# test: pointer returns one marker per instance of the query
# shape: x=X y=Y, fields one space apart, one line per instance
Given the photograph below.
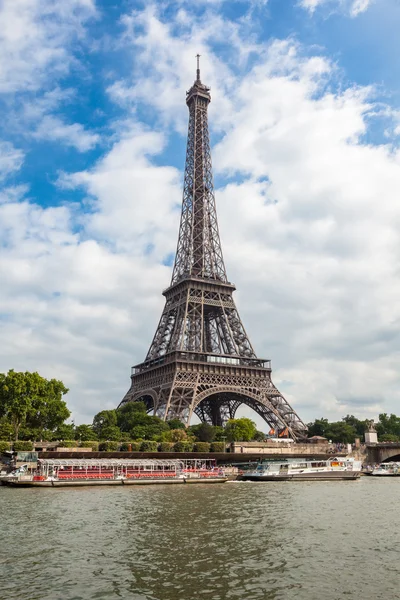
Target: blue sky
x=305 y=125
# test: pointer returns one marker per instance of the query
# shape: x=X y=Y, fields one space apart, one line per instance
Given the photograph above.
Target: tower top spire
x=198 y=68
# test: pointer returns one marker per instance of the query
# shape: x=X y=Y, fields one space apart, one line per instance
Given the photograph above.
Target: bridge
x=383 y=452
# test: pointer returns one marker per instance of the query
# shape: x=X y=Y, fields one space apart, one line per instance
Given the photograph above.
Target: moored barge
x=124 y=471
x=310 y=470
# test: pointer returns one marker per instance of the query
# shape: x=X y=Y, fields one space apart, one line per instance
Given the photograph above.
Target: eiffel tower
x=201 y=360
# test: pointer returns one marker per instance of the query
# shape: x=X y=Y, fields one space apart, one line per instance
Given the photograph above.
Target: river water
x=240 y=540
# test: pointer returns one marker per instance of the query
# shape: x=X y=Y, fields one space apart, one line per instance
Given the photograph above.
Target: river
x=244 y=541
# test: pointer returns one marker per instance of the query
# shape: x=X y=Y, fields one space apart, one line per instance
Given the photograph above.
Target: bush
x=135 y=446
x=109 y=446
x=202 y=447
x=126 y=447
x=183 y=447
x=90 y=444
x=218 y=447
x=68 y=444
x=148 y=446
x=166 y=447
x=23 y=446
x=4 y=446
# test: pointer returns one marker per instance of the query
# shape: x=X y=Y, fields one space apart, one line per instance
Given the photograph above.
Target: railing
x=205 y=358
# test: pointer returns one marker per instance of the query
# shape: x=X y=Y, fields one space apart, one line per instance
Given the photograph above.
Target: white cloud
x=34 y=40
x=11 y=159
x=75 y=135
x=351 y=7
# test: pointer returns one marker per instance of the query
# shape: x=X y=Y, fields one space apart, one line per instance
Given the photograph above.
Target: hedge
x=148 y=446
x=67 y=444
x=202 y=447
x=90 y=444
x=218 y=447
x=183 y=447
x=109 y=446
x=166 y=447
x=4 y=446
x=23 y=446
x=135 y=446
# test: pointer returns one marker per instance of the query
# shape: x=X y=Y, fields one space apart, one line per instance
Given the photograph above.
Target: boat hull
x=320 y=476
x=108 y=482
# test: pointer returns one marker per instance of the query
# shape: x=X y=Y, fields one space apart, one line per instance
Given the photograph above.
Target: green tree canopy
x=176 y=424
x=127 y=415
x=104 y=419
x=29 y=399
x=204 y=432
x=85 y=433
x=240 y=430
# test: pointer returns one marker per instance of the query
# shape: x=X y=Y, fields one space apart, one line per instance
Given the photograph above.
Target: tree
x=359 y=426
x=204 y=432
x=148 y=427
x=176 y=424
x=28 y=398
x=110 y=432
x=104 y=419
x=388 y=424
x=341 y=432
x=85 y=433
x=259 y=436
x=318 y=427
x=66 y=431
x=127 y=415
x=240 y=430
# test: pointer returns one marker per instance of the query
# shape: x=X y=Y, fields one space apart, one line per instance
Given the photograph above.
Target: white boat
x=118 y=471
x=305 y=470
x=390 y=469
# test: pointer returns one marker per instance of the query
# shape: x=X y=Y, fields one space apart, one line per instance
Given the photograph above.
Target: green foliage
x=148 y=446
x=104 y=420
x=259 y=436
x=148 y=427
x=112 y=433
x=344 y=431
x=4 y=446
x=127 y=415
x=22 y=446
x=110 y=446
x=204 y=432
x=388 y=425
x=217 y=447
x=180 y=447
x=135 y=446
x=6 y=429
x=29 y=399
x=176 y=424
x=240 y=430
x=85 y=433
x=202 y=447
x=93 y=444
x=166 y=447
x=389 y=437
x=66 y=431
x=184 y=446
x=68 y=444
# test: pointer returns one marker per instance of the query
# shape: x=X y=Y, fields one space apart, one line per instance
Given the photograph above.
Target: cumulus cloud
x=34 y=40
x=11 y=159
x=75 y=135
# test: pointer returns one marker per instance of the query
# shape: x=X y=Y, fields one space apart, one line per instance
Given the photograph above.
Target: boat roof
x=109 y=462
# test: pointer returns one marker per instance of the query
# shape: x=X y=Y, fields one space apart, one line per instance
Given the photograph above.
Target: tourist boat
x=123 y=471
x=300 y=470
x=389 y=469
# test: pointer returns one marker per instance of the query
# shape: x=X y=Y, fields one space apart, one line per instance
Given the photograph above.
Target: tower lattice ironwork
x=201 y=360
